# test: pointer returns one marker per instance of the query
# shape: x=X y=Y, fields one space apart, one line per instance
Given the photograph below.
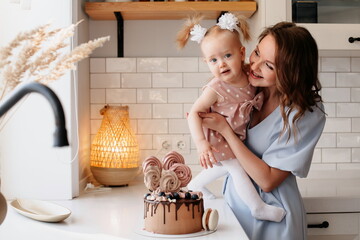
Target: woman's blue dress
x=295 y=156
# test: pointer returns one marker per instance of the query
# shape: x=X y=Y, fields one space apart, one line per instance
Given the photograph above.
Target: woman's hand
x=214 y=121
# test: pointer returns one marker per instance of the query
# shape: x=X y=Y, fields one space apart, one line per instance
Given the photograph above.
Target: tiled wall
x=159 y=92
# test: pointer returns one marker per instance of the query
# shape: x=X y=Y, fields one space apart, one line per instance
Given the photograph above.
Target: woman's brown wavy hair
x=296 y=61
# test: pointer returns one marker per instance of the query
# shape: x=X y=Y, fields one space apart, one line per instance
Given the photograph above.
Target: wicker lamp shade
x=114 y=156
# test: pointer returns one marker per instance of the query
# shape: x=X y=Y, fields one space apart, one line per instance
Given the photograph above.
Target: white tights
x=244 y=187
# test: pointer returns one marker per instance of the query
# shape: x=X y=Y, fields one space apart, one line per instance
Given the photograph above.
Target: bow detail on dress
x=248 y=106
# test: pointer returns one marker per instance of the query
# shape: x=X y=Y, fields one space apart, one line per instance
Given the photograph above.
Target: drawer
x=342 y=226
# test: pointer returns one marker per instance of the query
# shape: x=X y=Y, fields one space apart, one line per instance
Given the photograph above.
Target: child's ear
x=243 y=49
x=243 y=52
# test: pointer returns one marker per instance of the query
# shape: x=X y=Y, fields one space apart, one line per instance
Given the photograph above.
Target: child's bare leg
x=246 y=190
x=205 y=177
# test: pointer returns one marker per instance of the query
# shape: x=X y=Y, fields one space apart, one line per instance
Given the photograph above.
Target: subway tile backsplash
x=160 y=91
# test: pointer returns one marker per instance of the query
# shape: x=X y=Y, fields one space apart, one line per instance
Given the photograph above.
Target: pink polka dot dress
x=236 y=104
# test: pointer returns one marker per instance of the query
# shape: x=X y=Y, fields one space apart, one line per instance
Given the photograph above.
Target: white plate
x=40 y=210
x=189 y=235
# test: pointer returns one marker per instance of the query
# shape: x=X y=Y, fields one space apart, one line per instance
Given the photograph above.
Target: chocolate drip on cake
x=155 y=206
x=151 y=206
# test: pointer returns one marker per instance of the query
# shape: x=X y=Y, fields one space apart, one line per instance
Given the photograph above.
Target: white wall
x=175 y=78
x=30 y=166
x=159 y=91
x=151 y=38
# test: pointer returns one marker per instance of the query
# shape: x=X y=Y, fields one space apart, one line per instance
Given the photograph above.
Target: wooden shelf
x=166 y=10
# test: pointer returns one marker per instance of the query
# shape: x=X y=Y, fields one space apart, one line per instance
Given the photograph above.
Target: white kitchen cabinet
x=337 y=21
x=342 y=226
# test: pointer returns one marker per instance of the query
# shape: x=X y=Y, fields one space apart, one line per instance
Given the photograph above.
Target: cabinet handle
x=353 y=39
x=324 y=224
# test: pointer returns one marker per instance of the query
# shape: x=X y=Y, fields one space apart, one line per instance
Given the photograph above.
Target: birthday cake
x=169 y=208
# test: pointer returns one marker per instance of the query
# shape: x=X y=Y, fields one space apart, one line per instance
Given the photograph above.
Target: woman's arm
x=266 y=177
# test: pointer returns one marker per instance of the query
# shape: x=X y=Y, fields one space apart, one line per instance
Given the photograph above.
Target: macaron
x=210 y=219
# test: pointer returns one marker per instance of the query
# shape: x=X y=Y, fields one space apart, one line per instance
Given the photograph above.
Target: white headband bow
x=226 y=21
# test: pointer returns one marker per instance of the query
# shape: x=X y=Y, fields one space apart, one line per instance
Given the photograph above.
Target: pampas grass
x=38 y=55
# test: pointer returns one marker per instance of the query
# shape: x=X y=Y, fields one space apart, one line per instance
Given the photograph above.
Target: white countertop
x=118 y=214
x=110 y=215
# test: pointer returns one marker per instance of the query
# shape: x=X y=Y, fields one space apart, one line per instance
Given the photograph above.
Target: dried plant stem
x=37 y=55
x=69 y=60
x=50 y=54
x=6 y=52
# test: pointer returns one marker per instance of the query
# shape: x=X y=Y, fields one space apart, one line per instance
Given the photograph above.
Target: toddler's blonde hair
x=184 y=33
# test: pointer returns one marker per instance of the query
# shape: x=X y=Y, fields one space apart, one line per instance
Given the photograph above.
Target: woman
x=282 y=135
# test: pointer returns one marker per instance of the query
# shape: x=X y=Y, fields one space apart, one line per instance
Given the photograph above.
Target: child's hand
x=207 y=157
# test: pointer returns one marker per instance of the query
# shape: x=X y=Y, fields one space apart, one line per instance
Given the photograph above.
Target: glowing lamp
x=114 y=157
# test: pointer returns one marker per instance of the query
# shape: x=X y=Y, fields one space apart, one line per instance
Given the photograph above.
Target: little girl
x=230 y=94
